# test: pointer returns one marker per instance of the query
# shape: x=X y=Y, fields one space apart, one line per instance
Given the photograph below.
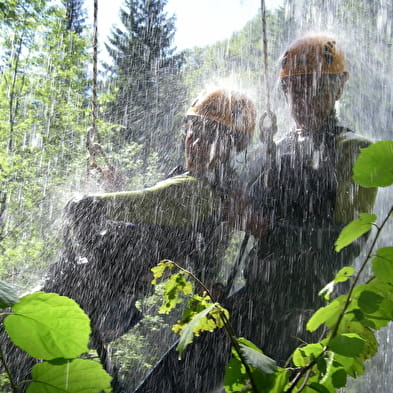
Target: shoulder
x=346 y=137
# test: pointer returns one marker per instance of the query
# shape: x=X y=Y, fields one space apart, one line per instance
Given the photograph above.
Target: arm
x=351 y=199
x=178 y=201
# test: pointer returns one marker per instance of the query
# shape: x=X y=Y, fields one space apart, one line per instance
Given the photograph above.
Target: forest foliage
x=45 y=104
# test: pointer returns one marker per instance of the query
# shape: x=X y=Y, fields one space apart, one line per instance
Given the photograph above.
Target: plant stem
x=357 y=277
x=227 y=326
x=7 y=371
x=306 y=369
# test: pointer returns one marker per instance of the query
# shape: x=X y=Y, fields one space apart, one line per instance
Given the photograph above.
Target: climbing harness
x=110 y=177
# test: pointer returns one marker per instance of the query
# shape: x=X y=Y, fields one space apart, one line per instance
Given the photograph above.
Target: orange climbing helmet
x=313 y=54
x=227 y=107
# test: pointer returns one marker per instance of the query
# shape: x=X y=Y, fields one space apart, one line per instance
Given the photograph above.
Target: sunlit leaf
x=305 y=355
x=254 y=356
x=327 y=290
x=325 y=314
x=76 y=376
x=344 y=274
x=49 y=326
x=374 y=166
x=354 y=230
x=8 y=295
x=383 y=265
x=174 y=287
x=235 y=377
x=347 y=344
x=159 y=270
x=207 y=320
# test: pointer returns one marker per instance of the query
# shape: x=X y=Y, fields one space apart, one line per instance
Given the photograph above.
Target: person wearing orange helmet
x=311 y=198
x=313 y=73
x=112 y=240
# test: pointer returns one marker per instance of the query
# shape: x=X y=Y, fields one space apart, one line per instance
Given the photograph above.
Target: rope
x=266 y=132
x=265 y=58
x=110 y=177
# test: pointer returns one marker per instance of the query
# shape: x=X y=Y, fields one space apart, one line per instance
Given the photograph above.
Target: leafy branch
x=58 y=334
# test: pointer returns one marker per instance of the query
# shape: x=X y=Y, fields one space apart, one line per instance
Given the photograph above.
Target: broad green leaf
x=374 y=166
x=354 y=230
x=200 y=322
x=254 y=356
x=339 y=378
x=347 y=344
x=235 y=378
x=176 y=285
x=369 y=302
x=318 y=387
x=375 y=303
x=383 y=265
x=305 y=355
x=326 y=314
x=280 y=380
x=49 y=326
x=197 y=304
x=75 y=376
x=8 y=295
x=370 y=342
x=344 y=274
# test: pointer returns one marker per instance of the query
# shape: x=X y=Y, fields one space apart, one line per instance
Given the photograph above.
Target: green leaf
x=174 y=287
x=159 y=270
x=8 y=295
x=237 y=380
x=369 y=302
x=374 y=166
x=254 y=356
x=347 y=344
x=235 y=377
x=354 y=230
x=305 y=355
x=49 y=326
x=344 y=274
x=326 y=314
x=318 y=387
x=382 y=265
x=339 y=378
x=198 y=323
x=370 y=342
x=76 y=376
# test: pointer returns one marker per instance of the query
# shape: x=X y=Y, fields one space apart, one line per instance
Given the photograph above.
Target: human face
x=311 y=98
x=206 y=146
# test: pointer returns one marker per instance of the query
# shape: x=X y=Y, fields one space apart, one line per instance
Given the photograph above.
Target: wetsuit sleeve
x=178 y=201
x=351 y=199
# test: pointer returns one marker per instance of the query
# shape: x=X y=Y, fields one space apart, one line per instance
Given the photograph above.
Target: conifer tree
x=76 y=15
x=146 y=73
